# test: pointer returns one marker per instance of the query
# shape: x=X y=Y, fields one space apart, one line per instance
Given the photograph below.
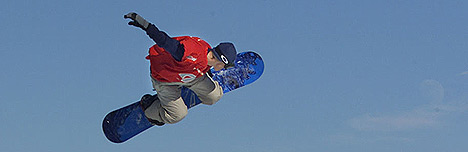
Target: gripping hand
x=137 y=20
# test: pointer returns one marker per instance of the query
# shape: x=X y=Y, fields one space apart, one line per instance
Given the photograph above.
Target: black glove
x=137 y=21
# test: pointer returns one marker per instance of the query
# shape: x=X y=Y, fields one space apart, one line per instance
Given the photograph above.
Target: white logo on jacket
x=187 y=77
x=192 y=58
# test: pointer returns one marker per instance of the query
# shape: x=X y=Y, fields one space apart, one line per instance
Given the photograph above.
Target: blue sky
x=340 y=75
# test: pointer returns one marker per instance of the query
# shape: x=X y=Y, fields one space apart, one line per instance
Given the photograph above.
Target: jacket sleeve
x=163 y=40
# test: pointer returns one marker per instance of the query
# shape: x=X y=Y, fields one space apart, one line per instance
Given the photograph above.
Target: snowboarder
x=181 y=61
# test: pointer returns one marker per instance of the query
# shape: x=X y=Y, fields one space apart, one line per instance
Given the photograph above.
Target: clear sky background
x=357 y=76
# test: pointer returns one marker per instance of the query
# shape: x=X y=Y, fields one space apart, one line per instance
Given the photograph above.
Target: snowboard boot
x=145 y=102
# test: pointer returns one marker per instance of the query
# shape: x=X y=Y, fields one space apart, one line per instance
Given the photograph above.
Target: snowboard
x=122 y=124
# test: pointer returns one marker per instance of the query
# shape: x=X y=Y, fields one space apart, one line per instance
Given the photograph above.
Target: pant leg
x=170 y=108
x=208 y=90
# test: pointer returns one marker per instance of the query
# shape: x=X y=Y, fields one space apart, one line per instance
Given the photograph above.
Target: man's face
x=214 y=62
x=218 y=65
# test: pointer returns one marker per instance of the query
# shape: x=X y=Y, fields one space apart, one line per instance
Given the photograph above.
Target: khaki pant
x=170 y=107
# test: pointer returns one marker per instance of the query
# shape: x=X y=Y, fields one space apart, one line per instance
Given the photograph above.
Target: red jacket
x=194 y=63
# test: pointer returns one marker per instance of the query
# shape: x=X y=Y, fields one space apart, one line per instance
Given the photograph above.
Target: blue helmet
x=226 y=53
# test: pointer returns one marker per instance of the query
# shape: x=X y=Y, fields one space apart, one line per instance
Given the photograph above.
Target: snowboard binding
x=145 y=102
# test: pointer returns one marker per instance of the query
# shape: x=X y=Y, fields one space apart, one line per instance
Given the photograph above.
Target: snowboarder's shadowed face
x=214 y=62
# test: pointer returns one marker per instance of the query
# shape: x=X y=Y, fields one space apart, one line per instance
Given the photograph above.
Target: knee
x=211 y=101
x=213 y=97
x=174 y=112
x=173 y=118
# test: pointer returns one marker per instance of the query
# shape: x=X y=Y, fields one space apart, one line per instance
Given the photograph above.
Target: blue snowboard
x=126 y=122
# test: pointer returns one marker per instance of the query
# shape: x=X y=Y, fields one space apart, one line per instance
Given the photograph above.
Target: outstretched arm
x=161 y=38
